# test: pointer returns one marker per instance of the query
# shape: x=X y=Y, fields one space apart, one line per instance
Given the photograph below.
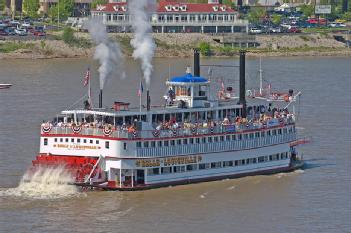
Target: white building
x=176 y=17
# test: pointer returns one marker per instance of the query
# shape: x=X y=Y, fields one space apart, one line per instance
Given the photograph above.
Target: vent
x=215 y=8
x=176 y=8
x=124 y=8
x=223 y=8
x=183 y=8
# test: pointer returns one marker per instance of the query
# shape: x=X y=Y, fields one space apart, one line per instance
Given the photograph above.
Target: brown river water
x=315 y=199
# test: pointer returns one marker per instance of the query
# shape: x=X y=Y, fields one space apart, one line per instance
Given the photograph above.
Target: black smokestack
x=242 y=99
x=148 y=100
x=196 y=63
x=100 y=99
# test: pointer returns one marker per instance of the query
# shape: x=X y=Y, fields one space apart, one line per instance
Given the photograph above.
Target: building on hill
x=176 y=17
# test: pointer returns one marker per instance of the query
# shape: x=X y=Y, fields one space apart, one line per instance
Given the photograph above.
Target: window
x=243 y=162
x=179 y=142
x=227 y=138
x=203 y=140
x=197 y=140
x=91 y=141
x=72 y=139
x=216 y=139
x=274 y=132
x=45 y=141
x=191 y=140
x=240 y=136
x=165 y=143
x=216 y=165
x=257 y=134
x=97 y=142
x=124 y=146
x=246 y=136
x=153 y=171
x=61 y=139
x=66 y=139
x=146 y=144
x=177 y=169
x=228 y=164
x=270 y=158
x=185 y=141
x=263 y=134
x=166 y=170
x=204 y=166
x=209 y=139
x=269 y=133
x=107 y=145
x=55 y=139
x=84 y=141
x=153 y=144
x=159 y=143
x=78 y=140
x=236 y=163
x=233 y=137
x=279 y=131
x=138 y=144
x=191 y=167
x=221 y=138
x=261 y=159
x=251 y=136
x=172 y=142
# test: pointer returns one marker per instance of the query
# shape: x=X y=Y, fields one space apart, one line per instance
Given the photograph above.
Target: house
x=176 y=17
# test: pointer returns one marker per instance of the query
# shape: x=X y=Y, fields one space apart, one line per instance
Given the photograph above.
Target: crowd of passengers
x=258 y=120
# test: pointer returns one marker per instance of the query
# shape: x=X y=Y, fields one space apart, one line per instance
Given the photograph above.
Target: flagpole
x=89 y=92
x=140 y=94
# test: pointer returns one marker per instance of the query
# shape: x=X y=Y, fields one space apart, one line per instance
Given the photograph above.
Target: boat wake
x=44 y=183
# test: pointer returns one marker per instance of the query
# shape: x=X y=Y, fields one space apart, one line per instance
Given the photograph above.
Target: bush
x=205 y=49
x=68 y=36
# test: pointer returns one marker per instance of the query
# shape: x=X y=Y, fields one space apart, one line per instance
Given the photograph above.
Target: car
x=21 y=32
x=336 y=25
x=294 y=30
x=274 y=30
x=3 y=33
x=39 y=33
x=10 y=31
x=255 y=30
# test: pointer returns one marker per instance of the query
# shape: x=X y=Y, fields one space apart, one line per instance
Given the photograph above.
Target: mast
x=260 y=72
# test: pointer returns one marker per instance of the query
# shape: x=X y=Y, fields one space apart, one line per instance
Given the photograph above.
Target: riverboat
x=192 y=138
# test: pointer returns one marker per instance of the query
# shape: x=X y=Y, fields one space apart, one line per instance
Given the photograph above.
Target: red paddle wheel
x=79 y=167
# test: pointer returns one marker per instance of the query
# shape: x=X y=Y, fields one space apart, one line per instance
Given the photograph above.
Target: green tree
x=97 y=2
x=347 y=16
x=276 y=19
x=30 y=8
x=307 y=10
x=256 y=14
x=64 y=8
x=2 y=4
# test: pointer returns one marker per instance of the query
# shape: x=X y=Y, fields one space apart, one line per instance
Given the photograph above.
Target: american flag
x=141 y=89
x=87 y=77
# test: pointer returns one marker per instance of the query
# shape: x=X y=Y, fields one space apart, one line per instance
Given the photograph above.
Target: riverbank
x=178 y=45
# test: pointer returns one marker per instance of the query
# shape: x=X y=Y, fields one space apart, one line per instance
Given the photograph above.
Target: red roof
x=170 y=7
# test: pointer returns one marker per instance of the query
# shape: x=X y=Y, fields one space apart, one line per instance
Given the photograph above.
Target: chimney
x=196 y=63
x=100 y=99
x=242 y=83
x=148 y=100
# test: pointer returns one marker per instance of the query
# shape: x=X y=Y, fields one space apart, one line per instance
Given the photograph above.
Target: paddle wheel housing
x=79 y=167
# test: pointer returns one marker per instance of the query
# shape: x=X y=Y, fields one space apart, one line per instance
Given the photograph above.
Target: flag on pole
x=86 y=78
x=141 y=89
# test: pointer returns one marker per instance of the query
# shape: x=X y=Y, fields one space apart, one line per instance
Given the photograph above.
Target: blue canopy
x=188 y=78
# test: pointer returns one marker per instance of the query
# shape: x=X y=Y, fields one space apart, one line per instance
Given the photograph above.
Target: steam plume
x=107 y=52
x=143 y=43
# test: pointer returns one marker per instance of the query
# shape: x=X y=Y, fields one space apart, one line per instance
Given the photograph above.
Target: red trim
x=164 y=138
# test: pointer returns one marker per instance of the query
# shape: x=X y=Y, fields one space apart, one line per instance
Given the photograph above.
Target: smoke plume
x=107 y=52
x=143 y=43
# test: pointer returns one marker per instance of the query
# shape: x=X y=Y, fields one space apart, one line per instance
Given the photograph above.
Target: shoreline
x=180 y=45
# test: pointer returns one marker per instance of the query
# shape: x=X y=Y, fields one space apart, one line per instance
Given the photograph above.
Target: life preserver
x=174 y=132
x=46 y=128
x=107 y=130
x=193 y=130
x=156 y=133
x=135 y=133
x=76 y=128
